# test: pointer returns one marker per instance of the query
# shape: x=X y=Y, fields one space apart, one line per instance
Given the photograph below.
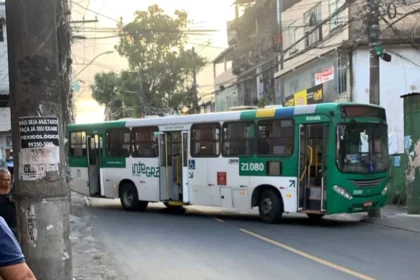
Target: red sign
x=324 y=76
x=221 y=178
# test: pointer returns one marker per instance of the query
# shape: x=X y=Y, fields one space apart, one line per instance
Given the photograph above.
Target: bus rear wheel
x=130 y=198
x=270 y=206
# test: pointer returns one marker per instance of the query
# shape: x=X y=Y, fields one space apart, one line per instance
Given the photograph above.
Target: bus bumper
x=357 y=204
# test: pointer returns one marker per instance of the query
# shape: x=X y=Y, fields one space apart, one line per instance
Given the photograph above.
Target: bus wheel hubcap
x=267 y=205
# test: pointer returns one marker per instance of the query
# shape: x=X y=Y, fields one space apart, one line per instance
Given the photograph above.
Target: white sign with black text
x=39 y=147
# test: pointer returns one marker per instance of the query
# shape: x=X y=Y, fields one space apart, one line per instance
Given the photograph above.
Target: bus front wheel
x=130 y=198
x=270 y=206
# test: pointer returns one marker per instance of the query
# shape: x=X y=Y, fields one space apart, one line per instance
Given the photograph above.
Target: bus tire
x=270 y=206
x=130 y=198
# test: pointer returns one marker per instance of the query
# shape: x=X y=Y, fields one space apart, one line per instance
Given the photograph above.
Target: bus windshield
x=362 y=147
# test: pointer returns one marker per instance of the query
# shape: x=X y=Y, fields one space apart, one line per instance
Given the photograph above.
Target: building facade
x=313 y=58
x=329 y=61
x=5 y=121
x=225 y=82
x=257 y=30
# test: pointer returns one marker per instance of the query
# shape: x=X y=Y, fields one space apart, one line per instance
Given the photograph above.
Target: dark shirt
x=8 y=210
x=10 y=252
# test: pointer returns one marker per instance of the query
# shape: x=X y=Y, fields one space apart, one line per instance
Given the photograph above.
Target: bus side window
x=238 y=139
x=205 y=140
x=78 y=144
x=275 y=137
x=118 y=142
x=145 y=142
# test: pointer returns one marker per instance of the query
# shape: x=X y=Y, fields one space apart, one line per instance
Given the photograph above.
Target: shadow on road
x=189 y=212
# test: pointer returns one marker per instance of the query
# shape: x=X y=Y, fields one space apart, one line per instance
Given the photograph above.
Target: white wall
x=398 y=77
x=4 y=78
x=4 y=63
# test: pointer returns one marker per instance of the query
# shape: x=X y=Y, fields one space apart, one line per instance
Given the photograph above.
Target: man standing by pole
x=42 y=195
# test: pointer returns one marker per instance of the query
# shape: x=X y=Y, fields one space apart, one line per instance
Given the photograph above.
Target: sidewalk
x=90 y=260
x=396 y=217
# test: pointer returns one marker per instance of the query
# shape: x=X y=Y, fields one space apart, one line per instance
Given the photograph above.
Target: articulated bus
x=317 y=159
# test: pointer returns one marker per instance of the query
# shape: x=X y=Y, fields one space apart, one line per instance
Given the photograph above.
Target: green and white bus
x=316 y=159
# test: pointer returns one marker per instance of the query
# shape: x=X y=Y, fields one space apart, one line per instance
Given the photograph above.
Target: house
x=256 y=34
x=225 y=82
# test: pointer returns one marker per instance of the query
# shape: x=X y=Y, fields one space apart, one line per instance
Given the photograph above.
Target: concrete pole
x=374 y=77
x=42 y=194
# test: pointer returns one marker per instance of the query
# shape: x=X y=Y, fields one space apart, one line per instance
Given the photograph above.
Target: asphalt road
x=204 y=243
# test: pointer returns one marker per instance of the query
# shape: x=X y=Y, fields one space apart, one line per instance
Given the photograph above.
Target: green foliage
x=105 y=91
x=154 y=44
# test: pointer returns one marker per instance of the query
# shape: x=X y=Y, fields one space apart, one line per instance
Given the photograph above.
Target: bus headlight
x=342 y=192
x=385 y=190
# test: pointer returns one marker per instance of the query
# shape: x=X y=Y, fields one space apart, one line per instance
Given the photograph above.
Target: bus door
x=312 y=172
x=173 y=165
x=94 y=163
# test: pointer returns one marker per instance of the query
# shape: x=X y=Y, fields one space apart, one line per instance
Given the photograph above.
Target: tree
x=154 y=44
x=105 y=91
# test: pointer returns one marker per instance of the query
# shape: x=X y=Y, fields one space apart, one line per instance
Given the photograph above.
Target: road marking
x=219 y=220
x=308 y=256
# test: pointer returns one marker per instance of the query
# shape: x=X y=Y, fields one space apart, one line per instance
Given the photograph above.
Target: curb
x=369 y=221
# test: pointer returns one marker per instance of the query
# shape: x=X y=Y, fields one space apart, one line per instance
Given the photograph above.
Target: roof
x=410 y=94
x=222 y=54
x=282 y=112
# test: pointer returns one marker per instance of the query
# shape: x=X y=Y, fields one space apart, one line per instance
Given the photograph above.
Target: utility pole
x=374 y=31
x=194 y=86
x=42 y=195
x=280 y=49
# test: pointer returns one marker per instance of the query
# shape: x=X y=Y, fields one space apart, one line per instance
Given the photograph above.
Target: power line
x=96 y=13
x=235 y=81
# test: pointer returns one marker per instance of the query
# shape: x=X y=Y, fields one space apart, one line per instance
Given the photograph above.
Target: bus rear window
x=359 y=111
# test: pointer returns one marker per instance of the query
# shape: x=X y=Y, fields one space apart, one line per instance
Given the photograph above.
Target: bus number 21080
x=251 y=166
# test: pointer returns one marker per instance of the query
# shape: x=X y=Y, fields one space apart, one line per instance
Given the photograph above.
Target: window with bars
x=342 y=67
x=335 y=21
x=292 y=30
x=311 y=19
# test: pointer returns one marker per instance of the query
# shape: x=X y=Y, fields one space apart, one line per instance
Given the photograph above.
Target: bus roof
x=281 y=112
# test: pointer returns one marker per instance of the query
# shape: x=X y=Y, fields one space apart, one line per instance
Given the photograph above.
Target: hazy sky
x=205 y=14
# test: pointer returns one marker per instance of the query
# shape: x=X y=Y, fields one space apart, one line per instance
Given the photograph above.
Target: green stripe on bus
x=95 y=126
x=248 y=115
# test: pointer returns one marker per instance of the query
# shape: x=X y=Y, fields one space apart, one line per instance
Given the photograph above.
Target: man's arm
x=17 y=272
x=12 y=261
